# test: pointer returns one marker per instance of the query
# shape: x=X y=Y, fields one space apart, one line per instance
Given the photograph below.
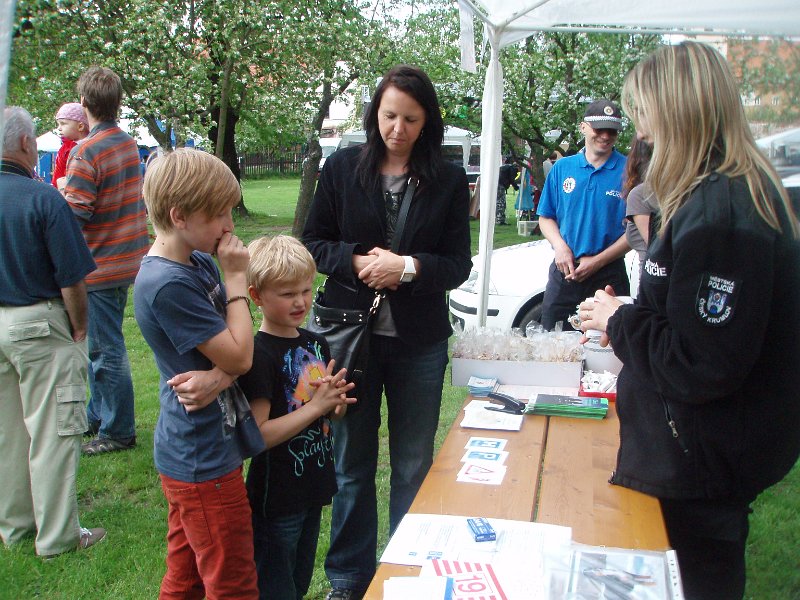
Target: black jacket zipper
x=671 y=423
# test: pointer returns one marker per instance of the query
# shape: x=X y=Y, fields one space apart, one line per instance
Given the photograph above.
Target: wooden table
x=558 y=470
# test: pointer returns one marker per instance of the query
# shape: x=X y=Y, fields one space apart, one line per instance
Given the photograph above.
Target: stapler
x=509 y=404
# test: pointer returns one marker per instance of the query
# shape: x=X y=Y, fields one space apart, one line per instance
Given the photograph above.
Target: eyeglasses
x=602 y=130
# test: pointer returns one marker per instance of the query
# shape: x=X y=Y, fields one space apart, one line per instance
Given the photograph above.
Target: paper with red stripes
x=471 y=580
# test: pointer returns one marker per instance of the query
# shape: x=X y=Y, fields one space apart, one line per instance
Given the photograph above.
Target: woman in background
x=638 y=196
x=707 y=394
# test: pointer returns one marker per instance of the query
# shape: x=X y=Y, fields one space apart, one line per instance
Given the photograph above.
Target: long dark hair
x=636 y=165
x=426 y=155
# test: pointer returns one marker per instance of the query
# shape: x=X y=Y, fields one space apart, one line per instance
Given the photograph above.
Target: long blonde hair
x=687 y=99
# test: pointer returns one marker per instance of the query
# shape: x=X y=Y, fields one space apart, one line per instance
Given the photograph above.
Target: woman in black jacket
x=349 y=229
x=707 y=399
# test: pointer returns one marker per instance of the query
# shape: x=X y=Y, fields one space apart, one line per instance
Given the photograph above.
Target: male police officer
x=581 y=214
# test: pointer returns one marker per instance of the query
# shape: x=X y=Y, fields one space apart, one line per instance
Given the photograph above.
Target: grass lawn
x=121 y=492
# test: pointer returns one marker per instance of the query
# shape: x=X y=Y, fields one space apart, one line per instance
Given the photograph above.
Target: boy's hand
x=198 y=389
x=232 y=255
x=330 y=391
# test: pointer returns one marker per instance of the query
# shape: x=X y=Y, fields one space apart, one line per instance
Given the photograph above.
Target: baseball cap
x=73 y=111
x=603 y=114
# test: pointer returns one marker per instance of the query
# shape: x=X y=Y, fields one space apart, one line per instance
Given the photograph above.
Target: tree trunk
x=308 y=182
x=162 y=137
x=224 y=104
x=313 y=152
x=229 y=154
x=311 y=158
x=180 y=133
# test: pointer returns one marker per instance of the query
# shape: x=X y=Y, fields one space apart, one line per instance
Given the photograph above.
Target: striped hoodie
x=104 y=190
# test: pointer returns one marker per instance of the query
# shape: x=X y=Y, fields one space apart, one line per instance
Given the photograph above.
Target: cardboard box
x=611 y=396
x=562 y=374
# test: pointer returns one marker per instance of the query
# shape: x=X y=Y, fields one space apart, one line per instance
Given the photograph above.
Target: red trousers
x=210 y=540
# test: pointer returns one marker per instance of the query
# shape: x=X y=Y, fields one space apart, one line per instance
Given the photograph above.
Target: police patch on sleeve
x=716 y=299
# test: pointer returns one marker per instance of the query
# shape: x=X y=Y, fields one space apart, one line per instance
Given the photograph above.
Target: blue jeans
x=412 y=379
x=110 y=385
x=285 y=548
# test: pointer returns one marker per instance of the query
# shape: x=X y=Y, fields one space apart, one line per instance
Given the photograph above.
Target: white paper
x=477 y=417
x=484 y=473
x=420 y=537
x=424 y=587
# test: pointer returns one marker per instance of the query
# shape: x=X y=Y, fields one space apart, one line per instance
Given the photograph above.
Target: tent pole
x=490 y=167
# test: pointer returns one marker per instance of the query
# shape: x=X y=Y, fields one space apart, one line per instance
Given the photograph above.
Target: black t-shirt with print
x=297 y=474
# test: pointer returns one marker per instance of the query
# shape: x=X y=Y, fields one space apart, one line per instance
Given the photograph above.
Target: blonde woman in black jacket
x=707 y=397
x=349 y=231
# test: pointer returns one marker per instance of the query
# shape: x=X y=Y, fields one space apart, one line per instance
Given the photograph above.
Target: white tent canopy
x=48 y=142
x=509 y=21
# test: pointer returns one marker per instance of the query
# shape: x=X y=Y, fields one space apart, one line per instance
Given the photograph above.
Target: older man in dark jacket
x=43 y=358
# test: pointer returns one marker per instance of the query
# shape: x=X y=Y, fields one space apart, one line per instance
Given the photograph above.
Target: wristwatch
x=409 y=271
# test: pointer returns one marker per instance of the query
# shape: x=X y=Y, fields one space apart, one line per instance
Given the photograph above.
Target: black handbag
x=347 y=330
x=245 y=429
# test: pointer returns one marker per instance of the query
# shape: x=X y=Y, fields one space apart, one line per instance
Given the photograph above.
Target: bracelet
x=235 y=298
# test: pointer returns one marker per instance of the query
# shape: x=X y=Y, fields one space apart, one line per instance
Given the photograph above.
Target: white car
x=516 y=288
x=519 y=275
x=329 y=146
x=792 y=185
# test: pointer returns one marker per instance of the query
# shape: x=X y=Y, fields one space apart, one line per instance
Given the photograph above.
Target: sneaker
x=100 y=445
x=89 y=537
x=344 y=594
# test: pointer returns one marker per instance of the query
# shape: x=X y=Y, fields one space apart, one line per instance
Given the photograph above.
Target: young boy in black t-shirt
x=292 y=393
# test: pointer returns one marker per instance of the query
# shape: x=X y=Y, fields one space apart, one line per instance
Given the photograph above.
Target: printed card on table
x=471 y=580
x=485 y=443
x=484 y=455
x=485 y=473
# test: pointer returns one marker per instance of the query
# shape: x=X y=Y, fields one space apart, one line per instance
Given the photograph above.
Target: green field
x=121 y=492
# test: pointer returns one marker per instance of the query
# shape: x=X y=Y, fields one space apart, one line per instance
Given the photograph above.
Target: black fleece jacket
x=708 y=398
x=346 y=219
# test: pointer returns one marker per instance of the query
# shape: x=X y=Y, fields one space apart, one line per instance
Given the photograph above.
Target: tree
x=56 y=41
x=769 y=70
x=185 y=66
x=343 y=42
x=550 y=77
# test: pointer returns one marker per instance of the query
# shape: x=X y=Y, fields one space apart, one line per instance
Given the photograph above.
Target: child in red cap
x=73 y=126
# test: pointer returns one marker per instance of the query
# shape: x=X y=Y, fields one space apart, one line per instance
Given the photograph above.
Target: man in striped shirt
x=104 y=190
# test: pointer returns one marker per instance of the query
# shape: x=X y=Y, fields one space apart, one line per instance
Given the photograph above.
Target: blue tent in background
x=48 y=145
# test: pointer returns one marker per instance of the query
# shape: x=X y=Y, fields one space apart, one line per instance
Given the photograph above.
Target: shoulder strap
x=403 y=215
